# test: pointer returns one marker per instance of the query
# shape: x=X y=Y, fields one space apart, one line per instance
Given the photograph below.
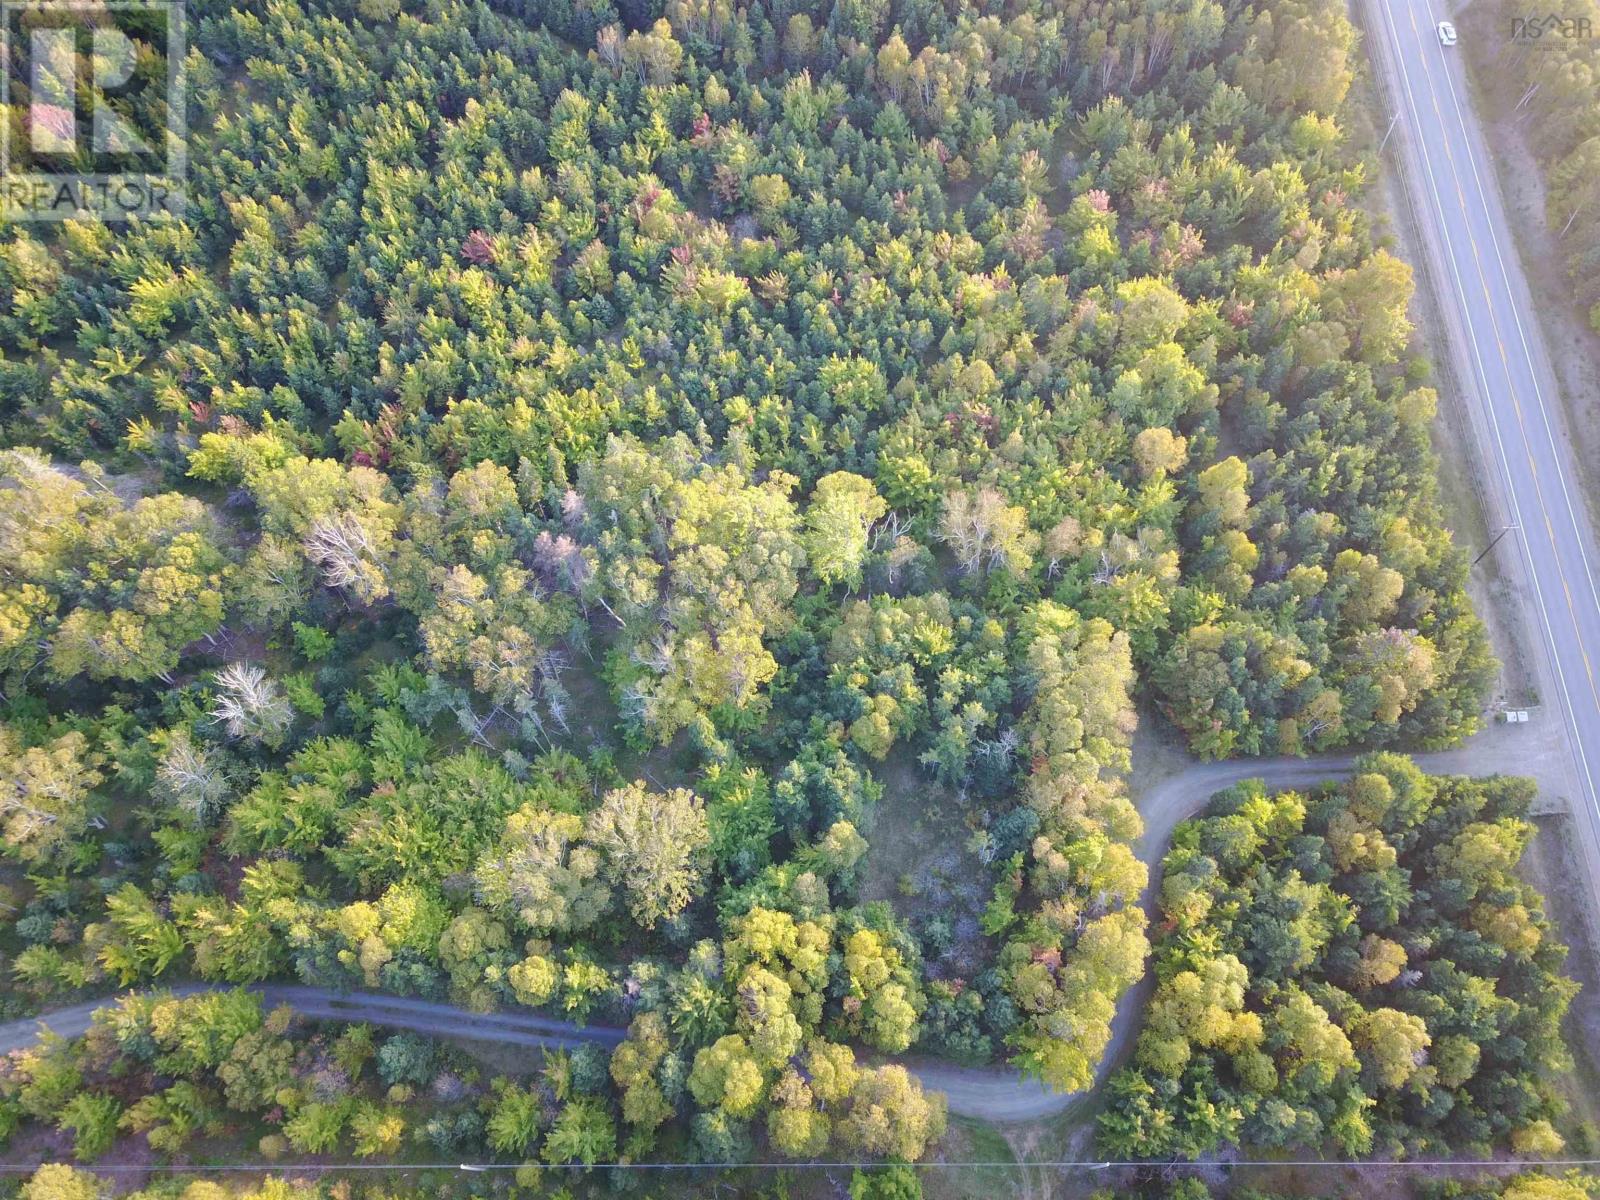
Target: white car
x=1447 y=34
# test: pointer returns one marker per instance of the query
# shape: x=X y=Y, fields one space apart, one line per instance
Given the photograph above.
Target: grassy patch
x=973 y=1141
x=919 y=862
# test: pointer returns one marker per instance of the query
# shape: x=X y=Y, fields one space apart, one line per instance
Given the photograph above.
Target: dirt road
x=992 y=1094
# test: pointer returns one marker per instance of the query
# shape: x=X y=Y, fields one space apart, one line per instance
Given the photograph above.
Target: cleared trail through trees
x=989 y=1093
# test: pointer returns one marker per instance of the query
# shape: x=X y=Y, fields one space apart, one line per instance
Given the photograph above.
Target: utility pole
x=1387 y=132
x=1492 y=543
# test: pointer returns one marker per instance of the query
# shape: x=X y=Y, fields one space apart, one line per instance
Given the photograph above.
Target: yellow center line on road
x=1431 y=189
x=1497 y=219
x=1533 y=470
x=1511 y=391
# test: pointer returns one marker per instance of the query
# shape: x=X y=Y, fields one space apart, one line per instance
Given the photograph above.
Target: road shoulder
x=1556 y=861
x=1574 y=346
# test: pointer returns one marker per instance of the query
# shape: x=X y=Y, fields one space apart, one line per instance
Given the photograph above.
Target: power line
x=1383 y=1164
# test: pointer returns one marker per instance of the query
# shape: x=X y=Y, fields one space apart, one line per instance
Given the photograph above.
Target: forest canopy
x=577 y=471
x=1081 y=299
x=1356 y=968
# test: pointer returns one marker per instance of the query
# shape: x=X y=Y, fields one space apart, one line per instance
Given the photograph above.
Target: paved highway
x=1457 y=202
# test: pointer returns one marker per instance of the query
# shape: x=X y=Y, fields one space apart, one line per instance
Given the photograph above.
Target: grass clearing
x=919 y=861
x=973 y=1141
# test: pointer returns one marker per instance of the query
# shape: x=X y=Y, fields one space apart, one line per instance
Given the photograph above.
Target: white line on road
x=1575 y=740
x=1516 y=319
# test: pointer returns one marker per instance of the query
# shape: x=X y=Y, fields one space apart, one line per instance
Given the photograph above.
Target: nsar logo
x=1553 y=25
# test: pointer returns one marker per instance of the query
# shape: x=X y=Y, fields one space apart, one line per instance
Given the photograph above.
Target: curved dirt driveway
x=991 y=1094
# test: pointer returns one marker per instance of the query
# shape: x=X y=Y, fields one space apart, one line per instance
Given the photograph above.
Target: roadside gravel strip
x=991 y=1094
x=1505 y=383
